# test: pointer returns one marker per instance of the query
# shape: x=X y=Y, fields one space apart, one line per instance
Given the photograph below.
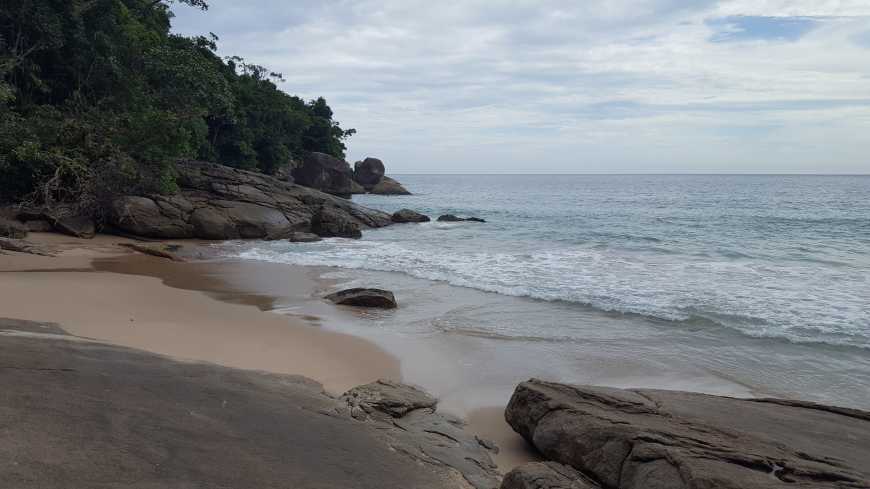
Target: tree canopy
x=99 y=97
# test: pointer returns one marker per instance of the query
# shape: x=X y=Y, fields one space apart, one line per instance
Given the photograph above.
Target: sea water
x=754 y=285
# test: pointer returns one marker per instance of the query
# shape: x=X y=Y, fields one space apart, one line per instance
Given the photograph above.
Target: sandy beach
x=206 y=311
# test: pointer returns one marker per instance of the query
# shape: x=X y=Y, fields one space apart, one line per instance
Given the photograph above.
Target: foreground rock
x=12 y=229
x=377 y=298
x=411 y=425
x=452 y=218
x=218 y=202
x=546 y=475
x=407 y=215
x=647 y=439
x=22 y=246
x=388 y=186
x=325 y=173
x=79 y=414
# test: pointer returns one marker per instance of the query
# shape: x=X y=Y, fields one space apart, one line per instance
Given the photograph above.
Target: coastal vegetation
x=99 y=98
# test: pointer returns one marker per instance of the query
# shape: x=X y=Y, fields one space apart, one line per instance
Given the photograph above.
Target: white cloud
x=530 y=85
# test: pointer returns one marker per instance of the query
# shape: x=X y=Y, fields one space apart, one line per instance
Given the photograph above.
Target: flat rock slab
x=649 y=439
x=360 y=297
x=84 y=414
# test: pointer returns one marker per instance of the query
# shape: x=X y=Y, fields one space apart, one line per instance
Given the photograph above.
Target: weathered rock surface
x=388 y=186
x=650 y=439
x=407 y=215
x=78 y=226
x=158 y=250
x=39 y=226
x=453 y=218
x=12 y=229
x=409 y=423
x=368 y=172
x=300 y=237
x=329 y=222
x=546 y=475
x=80 y=414
x=325 y=173
x=218 y=202
x=361 y=297
x=22 y=246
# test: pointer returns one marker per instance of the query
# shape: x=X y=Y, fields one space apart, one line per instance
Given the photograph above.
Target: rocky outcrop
x=300 y=237
x=407 y=215
x=546 y=475
x=219 y=202
x=408 y=422
x=368 y=172
x=80 y=414
x=12 y=229
x=388 y=186
x=452 y=218
x=359 y=297
x=643 y=439
x=325 y=173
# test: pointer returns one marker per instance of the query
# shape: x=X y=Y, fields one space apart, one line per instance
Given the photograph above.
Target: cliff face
x=218 y=202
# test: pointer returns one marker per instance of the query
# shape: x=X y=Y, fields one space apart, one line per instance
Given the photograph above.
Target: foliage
x=98 y=97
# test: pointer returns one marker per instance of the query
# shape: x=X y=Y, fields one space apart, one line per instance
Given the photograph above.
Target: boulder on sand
x=330 y=223
x=360 y=297
x=388 y=186
x=407 y=215
x=12 y=229
x=452 y=218
x=368 y=172
x=325 y=173
x=78 y=226
x=642 y=439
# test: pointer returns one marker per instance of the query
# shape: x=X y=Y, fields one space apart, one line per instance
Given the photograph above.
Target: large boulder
x=10 y=228
x=388 y=186
x=330 y=223
x=407 y=215
x=650 y=439
x=361 y=297
x=325 y=173
x=368 y=172
x=218 y=202
x=546 y=475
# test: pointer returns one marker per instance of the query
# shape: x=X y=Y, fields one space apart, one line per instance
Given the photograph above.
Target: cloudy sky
x=573 y=86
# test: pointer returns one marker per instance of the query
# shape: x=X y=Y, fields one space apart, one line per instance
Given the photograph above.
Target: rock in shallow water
x=360 y=297
x=388 y=186
x=407 y=215
x=452 y=218
x=644 y=439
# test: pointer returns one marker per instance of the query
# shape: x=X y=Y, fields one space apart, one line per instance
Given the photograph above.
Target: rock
x=357 y=189
x=299 y=237
x=12 y=229
x=331 y=223
x=368 y=172
x=452 y=218
x=325 y=173
x=408 y=421
x=640 y=439
x=158 y=250
x=407 y=215
x=22 y=246
x=78 y=226
x=382 y=299
x=388 y=186
x=39 y=226
x=546 y=475
x=218 y=202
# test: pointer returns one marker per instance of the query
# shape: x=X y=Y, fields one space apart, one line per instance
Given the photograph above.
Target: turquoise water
x=762 y=280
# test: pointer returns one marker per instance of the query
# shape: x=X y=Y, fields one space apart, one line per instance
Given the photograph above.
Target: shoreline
x=192 y=311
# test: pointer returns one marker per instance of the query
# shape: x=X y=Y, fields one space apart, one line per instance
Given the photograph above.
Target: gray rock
x=452 y=218
x=407 y=215
x=78 y=226
x=22 y=246
x=546 y=475
x=357 y=189
x=648 y=439
x=39 y=226
x=408 y=421
x=80 y=414
x=330 y=222
x=218 y=202
x=388 y=186
x=325 y=173
x=299 y=237
x=368 y=172
x=12 y=229
x=360 y=297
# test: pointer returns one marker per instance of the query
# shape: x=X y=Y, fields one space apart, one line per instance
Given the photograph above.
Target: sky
x=591 y=86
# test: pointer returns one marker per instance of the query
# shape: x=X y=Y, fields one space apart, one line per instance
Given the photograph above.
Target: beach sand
x=213 y=311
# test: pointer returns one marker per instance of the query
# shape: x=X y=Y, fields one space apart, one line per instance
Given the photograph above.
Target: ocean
x=740 y=285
